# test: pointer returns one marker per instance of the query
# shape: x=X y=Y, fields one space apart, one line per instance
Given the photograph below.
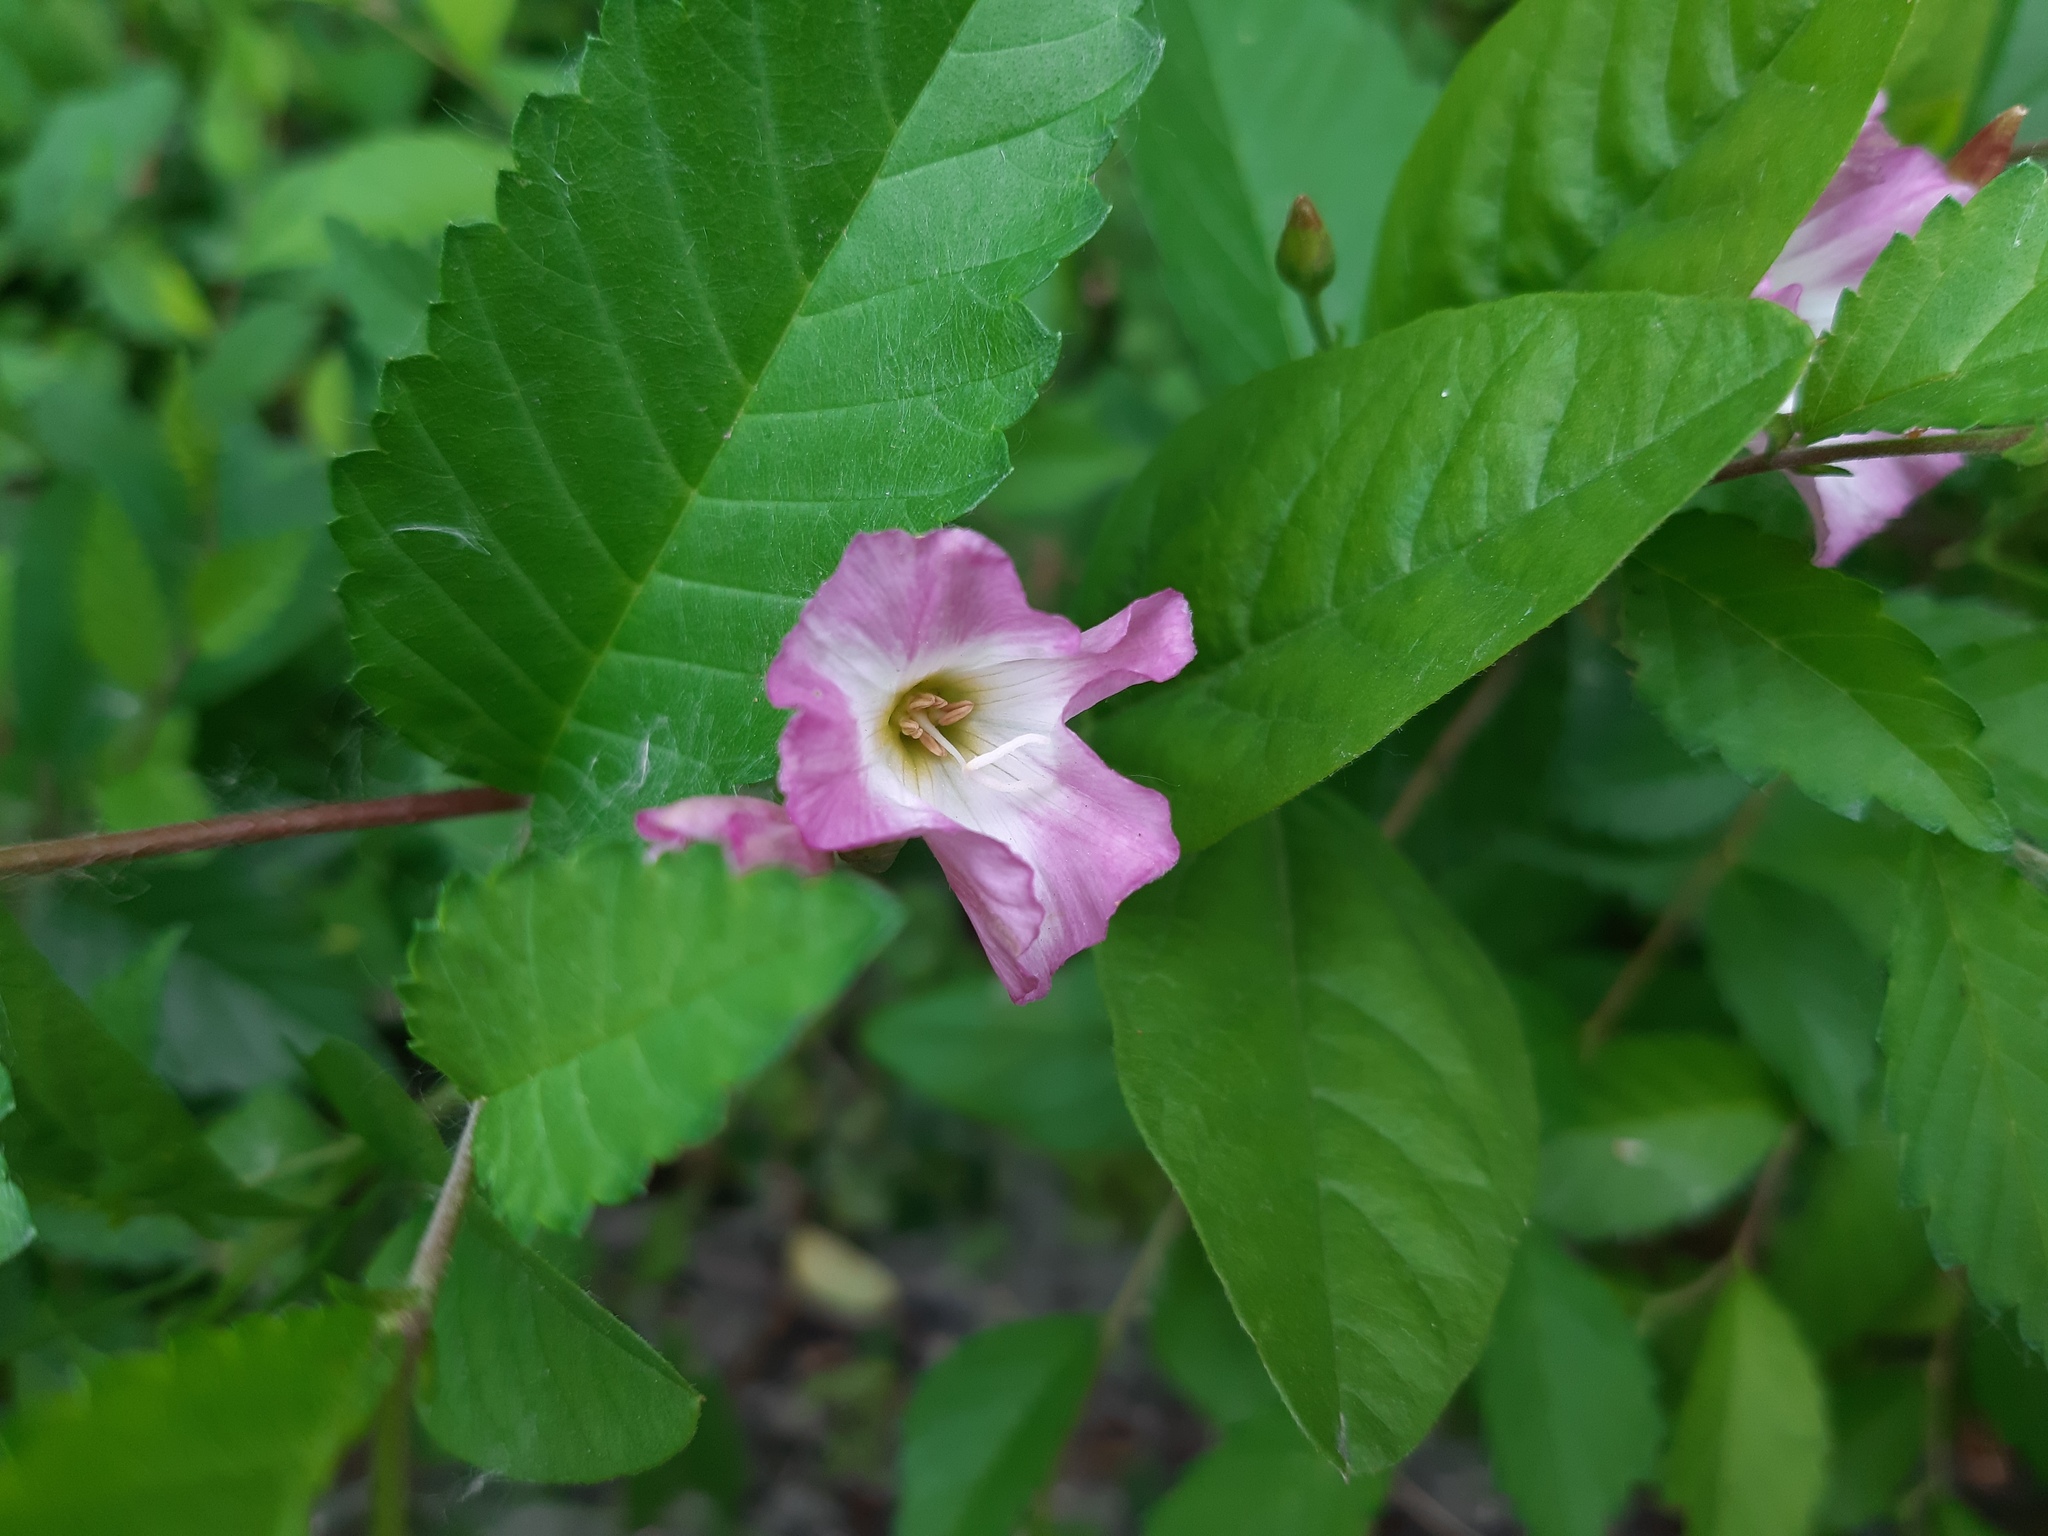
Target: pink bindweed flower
x=931 y=701
x=1884 y=189
x=752 y=832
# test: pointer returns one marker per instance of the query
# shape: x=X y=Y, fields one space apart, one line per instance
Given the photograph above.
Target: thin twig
x=1136 y=1290
x=252 y=827
x=1409 y=1497
x=1755 y=1230
x=437 y=1243
x=1678 y=914
x=1795 y=460
x=1451 y=742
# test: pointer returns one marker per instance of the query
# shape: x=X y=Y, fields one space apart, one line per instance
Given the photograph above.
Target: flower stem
x=1318 y=323
x=1136 y=1290
x=252 y=827
x=1794 y=460
x=1436 y=765
x=1678 y=914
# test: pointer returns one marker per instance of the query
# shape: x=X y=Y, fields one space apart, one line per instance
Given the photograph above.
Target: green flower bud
x=1307 y=257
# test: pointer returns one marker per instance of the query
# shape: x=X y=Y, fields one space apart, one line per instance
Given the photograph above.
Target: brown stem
x=1450 y=744
x=252 y=827
x=1988 y=440
x=1755 y=1230
x=1678 y=914
x=1136 y=1290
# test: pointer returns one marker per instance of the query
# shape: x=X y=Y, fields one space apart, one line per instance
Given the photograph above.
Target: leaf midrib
x=572 y=708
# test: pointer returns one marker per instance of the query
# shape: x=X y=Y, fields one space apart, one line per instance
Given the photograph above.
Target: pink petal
x=752 y=832
x=1847 y=509
x=1883 y=189
x=1148 y=642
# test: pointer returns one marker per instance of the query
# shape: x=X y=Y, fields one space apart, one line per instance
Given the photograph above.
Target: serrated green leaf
x=1265 y=1477
x=985 y=1428
x=1326 y=1065
x=2006 y=682
x=1044 y=1070
x=229 y=1432
x=1805 y=991
x=1747 y=648
x=1852 y=1253
x=91 y=1119
x=1616 y=144
x=1950 y=329
x=1749 y=1450
x=1361 y=531
x=730 y=320
x=530 y=1378
x=651 y=990
x=1200 y=1345
x=1568 y=1394
x=1258 y=102
x=371 y=1103
x=1966 y=1078
x=1668 y=1126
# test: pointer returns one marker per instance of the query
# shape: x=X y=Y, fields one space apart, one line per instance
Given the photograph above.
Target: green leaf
x=1258 y=102
x=1805 y=991
x=17 y=1227
x=758 y=288
x=122 y=616
x=129 y=1003
x=1669 y=1126
x=531 y=1378
x=2019 y=72
x=88 y=159
x=1936 y=73
x=228 y=1432
x=1044 y=1070
x=1568 y=1394
x=473 y=28
x=1966 y=1079
x=238 y=591
x=1747 y=648
x=1749 y=1450
x=2006 y=682
x=390 y=186
x=371 y=1103
x=1265 y=1477
x=1950 y=329
x=1361 y=531
x=1879 y=1414
x=1327 y=1067
x=90 y=1118
x=1853 y=1254
x=986 y=1426
x=2009 y=1382
x=1615 y=144
x=1199 y=1344
x=651 y=990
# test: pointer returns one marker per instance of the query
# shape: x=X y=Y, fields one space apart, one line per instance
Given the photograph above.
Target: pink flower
x=931 y=701
x=752 y=832
x=1883 y=189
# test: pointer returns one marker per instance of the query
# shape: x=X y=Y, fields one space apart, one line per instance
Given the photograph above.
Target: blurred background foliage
x=223 y=216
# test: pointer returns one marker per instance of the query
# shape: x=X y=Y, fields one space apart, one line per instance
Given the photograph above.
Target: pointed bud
x=1307 y=257
x=1983 y=160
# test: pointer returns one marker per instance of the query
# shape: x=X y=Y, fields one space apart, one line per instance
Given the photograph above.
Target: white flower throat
x=923 y=717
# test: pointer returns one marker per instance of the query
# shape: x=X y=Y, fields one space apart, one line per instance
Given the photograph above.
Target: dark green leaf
x=1936 y=73
x=652 y=990
x=985 y=1429
x=17 y=1228
x=1265 y=1477
x=723 y=327
x=531 y=1378
x=1950 y=329
x=2009 y=1382
x=1258 y=102
x=1330 y=1071
x=1568 y=1394
x=1749 y=1451
x=1200 y=1345
x=1616 y=143
x=1879 y=1416
x=1853 y=1253
x=371 y=1103
x=87 y=160
x=1806 y=992
x=1748 y=648
x=1361 y=531
x=1669 y=1126
x=2006 y=682
x=1044 y=1070
x=1966 y=1078
x=91 y=1119
x=129 y=1004
x=230 y=1432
